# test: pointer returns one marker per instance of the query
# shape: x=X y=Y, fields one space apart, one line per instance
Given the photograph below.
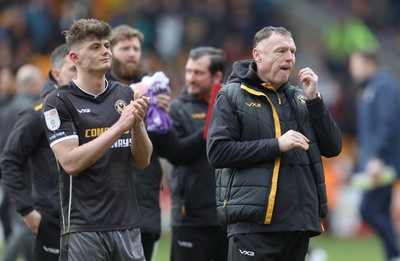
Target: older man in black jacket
x=267 y=137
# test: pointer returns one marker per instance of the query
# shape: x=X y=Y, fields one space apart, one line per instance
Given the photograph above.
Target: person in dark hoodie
x=196 y=234
x=266 y=139
x=28 y=144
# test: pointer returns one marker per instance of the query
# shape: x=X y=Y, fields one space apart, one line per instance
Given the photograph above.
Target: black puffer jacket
x=256 y=183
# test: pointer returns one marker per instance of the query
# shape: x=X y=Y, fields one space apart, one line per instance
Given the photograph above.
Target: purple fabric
x=157 y=119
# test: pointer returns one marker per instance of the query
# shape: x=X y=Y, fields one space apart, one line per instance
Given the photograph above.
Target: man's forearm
x=142 y=147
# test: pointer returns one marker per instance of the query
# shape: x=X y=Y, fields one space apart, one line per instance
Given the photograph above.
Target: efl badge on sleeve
x=52 y=119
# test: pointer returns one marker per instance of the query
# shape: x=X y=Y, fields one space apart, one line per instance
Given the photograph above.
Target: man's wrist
x=138 y=125
x=318 y=97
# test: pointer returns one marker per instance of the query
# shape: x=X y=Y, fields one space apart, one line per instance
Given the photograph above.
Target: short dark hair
x=58 y=56
x=122 y=32
x=368 y=55
x=267 y=31
x=217 y=57
x=84 y=29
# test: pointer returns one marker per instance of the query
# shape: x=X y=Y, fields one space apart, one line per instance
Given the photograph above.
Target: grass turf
x=366 y=248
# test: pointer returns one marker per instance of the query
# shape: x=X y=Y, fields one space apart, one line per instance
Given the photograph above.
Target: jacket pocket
x=244 y=195
x=224 y=179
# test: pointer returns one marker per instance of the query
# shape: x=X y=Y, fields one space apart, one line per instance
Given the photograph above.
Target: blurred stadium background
x=325 y=32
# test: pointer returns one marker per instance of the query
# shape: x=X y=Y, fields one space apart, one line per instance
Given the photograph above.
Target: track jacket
x=260 y=189
x=378 y=109
x=192 y=179
x=28 y=144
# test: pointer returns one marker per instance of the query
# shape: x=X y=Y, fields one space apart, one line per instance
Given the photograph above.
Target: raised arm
x=75 y=158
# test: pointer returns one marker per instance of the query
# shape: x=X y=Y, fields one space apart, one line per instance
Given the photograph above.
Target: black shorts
x=274 y=246
x=199 y=244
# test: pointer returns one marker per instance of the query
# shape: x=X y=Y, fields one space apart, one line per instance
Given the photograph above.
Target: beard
x=131 y=73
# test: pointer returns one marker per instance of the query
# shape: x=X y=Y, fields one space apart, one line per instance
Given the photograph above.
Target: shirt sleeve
x=189 y=144
x=58 y=123
x=386 y=106
x=329 y=137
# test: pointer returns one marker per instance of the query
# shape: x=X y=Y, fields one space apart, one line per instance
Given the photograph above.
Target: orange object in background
x=333 y=181
x=337 y=172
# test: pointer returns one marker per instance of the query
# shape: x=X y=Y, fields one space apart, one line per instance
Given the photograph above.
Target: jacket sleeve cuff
x=317 y=99
x=275 y=150
x=26 y=211
x=316 y=104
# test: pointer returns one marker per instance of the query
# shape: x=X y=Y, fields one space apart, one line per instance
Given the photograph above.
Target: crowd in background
x=31 y=29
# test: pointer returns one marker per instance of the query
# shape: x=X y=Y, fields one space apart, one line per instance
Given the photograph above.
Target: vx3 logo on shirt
x=83 y=110
x=246 y=252
x=253 y=104
x=51 y=250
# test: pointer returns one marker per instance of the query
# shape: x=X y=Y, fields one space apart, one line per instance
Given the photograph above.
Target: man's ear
x=256 y=55
x=74 y=57
x=218 y=77
x=56 y=74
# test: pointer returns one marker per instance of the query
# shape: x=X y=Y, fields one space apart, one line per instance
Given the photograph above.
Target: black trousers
x=276 y=246
x=47 y=245
x=148 y=241
x=199 y=244
x=5 y=218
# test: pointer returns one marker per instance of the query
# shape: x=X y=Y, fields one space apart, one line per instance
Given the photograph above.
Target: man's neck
x=205 y=98
x=91 y=83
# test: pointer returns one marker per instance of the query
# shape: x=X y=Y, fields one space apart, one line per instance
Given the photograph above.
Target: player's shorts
x=107 y=245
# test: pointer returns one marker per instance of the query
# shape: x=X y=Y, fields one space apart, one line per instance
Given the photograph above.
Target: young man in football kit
x=95 y=129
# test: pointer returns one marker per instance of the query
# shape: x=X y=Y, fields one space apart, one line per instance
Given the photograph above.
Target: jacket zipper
x=275 y=174
x=296 y=165
x=228 y=193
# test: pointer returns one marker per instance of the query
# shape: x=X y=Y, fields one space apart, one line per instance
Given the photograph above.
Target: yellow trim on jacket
x=275 y=172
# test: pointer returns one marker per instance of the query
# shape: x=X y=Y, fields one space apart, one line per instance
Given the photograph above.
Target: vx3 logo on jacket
x=253 y=104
